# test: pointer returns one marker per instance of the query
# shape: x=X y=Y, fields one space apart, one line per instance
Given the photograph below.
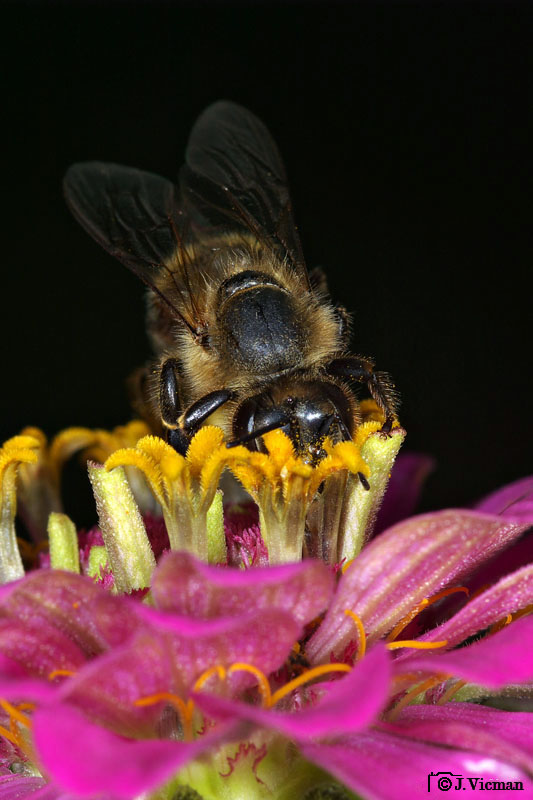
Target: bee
x=245 y=337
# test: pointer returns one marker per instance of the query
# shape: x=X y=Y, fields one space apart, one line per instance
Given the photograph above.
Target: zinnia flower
x=282 y=681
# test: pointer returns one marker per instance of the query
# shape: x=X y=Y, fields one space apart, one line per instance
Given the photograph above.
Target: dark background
x=406 y=134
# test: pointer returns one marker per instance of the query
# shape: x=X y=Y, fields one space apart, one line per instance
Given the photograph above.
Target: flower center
x=269 y=699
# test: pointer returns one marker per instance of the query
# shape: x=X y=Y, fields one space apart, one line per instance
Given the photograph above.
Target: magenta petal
x=383 y=766
x=86 y=759
x=408 y=475
x=55 y=620
x=509 y=595
x=496 y=661
x=107 y=689
x=186 y=586
x=410 y=561
x=507 y=735
x=170 y=659
x=263 y=638
x=27 y=689
x=17 y=787
x=40 y=648
x=348 y=705
x=514 y=502
x=54 y=792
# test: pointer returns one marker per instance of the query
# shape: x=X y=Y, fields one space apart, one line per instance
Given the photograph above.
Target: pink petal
x=349 y=704
x=54 y=792
x=171 y=660
x=509 y=560
x=62 y=610
x=107 y=689
x=506 y=735
x=86 y=759
x=509 y=595
x=513 y=502
x=496 y=661
x=414 y=559
x=38 y=648
x=263 y=638
x=408 y=475
x=26 y=689
x=383 y=766
x=184 y=585
x=17 y=787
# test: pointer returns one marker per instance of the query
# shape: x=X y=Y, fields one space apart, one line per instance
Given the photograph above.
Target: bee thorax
x=260 y=329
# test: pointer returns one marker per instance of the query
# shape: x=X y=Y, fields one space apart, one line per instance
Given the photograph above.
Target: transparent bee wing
x=136 y=217
x=234 y=180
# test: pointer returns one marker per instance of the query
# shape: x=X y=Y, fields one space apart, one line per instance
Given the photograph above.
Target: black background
x=407 y=140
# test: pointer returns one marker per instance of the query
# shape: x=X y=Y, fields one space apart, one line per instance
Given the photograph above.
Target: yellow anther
x=160 y=697
x=13 y=738
x=56 y=673
x=208 y=440
x=15 y=713
x=502 y=623
x=305 y=677
x=427 y=601
x=218 y=669
x=416 y=645
x=449 y=693
x=405 y=676
x=429 y=683
x=262 y=680
x=446 y=592
x=9 y=457
x=185 y=710
x=361 y=631
x=523 y=612
x=279 y=446
x=404 y=622
x=131 y=457
x=347 y=565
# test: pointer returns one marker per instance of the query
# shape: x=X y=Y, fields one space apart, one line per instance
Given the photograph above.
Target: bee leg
x=170 y=405
x=276 y=418
x=170 y=401
x=188 y=423
x=379 y=384
x=181 y=427
x=197 y=413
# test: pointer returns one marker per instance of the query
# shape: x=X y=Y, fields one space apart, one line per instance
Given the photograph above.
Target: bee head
x=307 y=411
